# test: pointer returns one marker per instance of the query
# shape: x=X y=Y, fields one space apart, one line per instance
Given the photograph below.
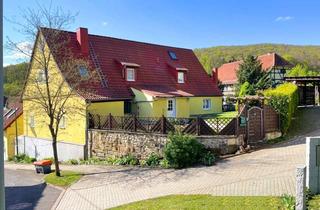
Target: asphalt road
x=26 y=190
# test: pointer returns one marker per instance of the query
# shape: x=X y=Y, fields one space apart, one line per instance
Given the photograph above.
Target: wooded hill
x=216 y=56
x=14 y=77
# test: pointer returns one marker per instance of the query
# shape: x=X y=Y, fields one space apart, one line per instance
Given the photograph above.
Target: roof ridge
x=121 y=39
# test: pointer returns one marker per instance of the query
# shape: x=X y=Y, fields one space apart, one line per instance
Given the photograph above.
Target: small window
x=41 y=76
x=206 y=104
x=63 y=122
x=127 y=107
x=31 y=121
x=173 y=55
x=130 y=74
x=170 y=105
x=83 y=71
x=180 y=77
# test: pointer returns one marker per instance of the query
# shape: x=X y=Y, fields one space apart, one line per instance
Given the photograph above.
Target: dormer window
x=130 y=74
x=180 y=77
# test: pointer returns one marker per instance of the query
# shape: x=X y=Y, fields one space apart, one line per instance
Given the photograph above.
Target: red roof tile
x=153 y=71
x=227 y=72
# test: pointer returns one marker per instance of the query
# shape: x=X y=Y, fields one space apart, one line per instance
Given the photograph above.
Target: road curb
x=57 y=202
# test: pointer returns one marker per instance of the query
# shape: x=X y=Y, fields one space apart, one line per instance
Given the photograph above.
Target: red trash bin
x=43 y=166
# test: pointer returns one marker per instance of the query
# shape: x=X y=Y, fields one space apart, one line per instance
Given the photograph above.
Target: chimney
x=83 y=40
x=215 y=75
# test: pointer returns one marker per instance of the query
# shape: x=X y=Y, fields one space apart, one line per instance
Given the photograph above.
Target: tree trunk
x=55 y=155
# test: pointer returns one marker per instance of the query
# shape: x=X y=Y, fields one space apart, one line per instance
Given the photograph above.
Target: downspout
x=86 y=146
x=16 y=125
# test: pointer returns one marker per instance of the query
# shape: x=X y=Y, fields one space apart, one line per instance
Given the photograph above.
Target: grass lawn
x=227 y=114
x=314 y=203
x=206 y=202
x=65 y=180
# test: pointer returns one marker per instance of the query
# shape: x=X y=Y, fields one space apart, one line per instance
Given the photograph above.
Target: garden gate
x=255 y=125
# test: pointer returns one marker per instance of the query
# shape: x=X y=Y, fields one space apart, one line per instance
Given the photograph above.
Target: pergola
x=308 y=89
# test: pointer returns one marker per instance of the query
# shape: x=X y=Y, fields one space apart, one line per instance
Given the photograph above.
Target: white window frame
x=180 y=77
x=63 y=122
x=133 y=74
x=31 y=121
x=206 y=104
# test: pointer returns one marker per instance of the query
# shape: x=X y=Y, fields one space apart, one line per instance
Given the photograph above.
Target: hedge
x=284 y=99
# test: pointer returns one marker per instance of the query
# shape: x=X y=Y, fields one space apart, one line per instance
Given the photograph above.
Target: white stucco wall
x=42 y=148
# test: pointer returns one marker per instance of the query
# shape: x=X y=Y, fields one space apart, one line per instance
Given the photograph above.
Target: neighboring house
x=144 y=79
x=13 y=127
x=272 y=63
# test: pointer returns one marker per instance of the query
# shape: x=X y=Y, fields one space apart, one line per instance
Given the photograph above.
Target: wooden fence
x=163 y=125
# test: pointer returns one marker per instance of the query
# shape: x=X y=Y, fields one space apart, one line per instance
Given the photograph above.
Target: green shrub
x=183 y=150
x=208 y=159
x=284 y=99
x=73 y=162
x=127 y=160
x=164 y=163
x=246 y=89
x=288 y=202
x=23 y=158
x=153 y=160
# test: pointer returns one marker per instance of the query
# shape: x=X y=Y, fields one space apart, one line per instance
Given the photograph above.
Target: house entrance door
x=171 y=107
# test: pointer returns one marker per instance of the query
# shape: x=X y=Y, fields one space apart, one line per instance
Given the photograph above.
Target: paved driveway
x=25 y=190
x=270 y=171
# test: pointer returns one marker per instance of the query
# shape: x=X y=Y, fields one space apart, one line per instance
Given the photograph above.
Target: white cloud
x=104 y=23
x=284 y=18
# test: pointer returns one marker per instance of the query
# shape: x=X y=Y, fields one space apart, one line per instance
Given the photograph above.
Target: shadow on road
x=23 y=197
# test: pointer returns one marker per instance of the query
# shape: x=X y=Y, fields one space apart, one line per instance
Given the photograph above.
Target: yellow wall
x=147 y=106
x=74 y=132
x=196 y=103
x=116 y=108
x=75 y=107
x=10 y=135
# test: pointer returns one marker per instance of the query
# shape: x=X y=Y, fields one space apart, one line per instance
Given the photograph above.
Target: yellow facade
x=10 y=135
x=116 y=108
x=148 y=106
x=196 y=105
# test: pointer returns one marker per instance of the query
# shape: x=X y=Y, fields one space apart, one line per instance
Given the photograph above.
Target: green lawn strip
x=206 y=202
x=66 y=179
x=231 y=114
x=314 y=203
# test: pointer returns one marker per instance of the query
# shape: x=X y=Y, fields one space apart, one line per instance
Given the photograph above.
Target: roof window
x=173 y=55
x=83 y=71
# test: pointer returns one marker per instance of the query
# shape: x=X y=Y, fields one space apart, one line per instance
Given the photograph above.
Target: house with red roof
x=134 y=78
x=272 y=63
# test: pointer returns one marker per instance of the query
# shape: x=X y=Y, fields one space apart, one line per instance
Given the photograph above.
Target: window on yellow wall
x=63 y=123
x=206 y=104
x=41 y=76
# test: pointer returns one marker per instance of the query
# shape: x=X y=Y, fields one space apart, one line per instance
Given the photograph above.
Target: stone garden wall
x=103 y=143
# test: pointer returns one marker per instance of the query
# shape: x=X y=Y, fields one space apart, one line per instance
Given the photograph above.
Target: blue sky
x=190 y=24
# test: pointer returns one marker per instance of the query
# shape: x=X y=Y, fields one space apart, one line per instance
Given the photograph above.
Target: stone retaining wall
x=115 y=143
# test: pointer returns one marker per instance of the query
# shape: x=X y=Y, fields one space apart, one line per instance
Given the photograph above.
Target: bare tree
x=54 y=78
